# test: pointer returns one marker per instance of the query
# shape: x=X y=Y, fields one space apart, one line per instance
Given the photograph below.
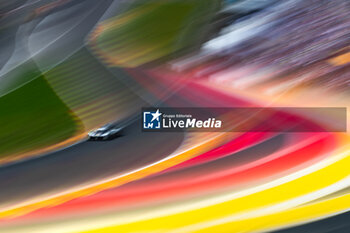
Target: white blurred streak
x=246 y=29
x=185 y=63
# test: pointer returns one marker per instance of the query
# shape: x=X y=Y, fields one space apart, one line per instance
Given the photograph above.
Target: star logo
x=156 y=115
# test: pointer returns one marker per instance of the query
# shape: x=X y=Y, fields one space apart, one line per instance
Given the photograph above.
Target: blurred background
x=68 y=67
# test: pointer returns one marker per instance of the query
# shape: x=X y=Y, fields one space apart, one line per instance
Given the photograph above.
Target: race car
x=106 y=132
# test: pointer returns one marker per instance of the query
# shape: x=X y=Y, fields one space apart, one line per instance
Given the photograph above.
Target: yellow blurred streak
x=210 y=141
x=242 y=207
x=116 y=22
x=132 y=57
x=298 y=215
x=341 y=59
x=121 y=19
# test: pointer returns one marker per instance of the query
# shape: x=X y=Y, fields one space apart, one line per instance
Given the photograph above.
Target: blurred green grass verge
x=33 y=117
x=150 y=30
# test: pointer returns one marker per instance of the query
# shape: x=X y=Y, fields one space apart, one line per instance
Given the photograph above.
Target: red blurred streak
x=240 y=143
x=179 y=187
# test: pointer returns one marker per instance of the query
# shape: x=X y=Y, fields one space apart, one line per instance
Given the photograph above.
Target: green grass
x=33 y=117
x=156 y=29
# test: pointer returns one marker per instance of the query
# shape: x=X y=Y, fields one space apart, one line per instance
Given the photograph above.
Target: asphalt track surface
x=336 y=224
x=84 y=162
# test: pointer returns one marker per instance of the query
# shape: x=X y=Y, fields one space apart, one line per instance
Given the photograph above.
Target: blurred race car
x=106 y=132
